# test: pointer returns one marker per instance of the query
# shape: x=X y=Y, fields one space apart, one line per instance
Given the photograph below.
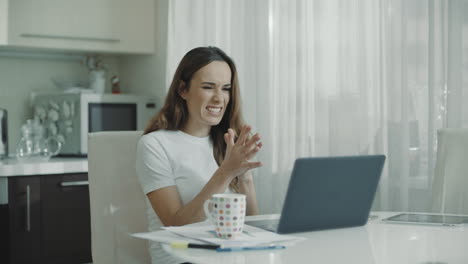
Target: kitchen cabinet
x=25 y=219
x=66 y=226
x=105 y=26
x=48 y=219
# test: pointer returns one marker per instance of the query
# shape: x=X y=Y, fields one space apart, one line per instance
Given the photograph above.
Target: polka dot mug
x=227 y=212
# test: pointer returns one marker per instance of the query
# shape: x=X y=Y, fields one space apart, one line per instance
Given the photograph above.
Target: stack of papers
x=203 y=233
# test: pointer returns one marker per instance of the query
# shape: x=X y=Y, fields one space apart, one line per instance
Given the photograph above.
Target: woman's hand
x=236 y=162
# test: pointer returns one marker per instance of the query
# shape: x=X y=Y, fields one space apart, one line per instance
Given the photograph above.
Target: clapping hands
x=239 y=153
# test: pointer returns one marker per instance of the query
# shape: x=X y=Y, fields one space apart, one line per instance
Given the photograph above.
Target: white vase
x=97 y=81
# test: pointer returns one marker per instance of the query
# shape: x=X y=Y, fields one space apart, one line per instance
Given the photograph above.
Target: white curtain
x=330 y=77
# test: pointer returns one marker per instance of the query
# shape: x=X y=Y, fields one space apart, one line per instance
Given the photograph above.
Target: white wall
x=20 y=76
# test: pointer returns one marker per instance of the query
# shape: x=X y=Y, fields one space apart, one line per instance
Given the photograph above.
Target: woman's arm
x=246 y=186
x=167 y=202
x=168 y=205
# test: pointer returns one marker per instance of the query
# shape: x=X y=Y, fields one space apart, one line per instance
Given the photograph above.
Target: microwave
x=71 y=116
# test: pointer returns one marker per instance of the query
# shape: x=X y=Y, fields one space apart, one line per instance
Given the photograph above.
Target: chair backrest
x=117 y=202
x=450 y=183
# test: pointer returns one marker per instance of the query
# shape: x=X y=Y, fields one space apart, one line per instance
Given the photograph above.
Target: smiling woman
x=208 y=97
x=197 y=145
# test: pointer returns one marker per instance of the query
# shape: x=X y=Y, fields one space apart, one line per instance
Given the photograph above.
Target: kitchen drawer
x=66 y=227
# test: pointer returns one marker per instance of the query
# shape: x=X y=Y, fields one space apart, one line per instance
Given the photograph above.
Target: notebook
x=327 y=192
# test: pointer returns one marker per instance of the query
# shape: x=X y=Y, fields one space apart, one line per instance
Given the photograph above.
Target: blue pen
x=232 y=249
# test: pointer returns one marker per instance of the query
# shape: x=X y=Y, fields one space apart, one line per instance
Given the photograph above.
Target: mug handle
x=207 y=212
x=57 y=143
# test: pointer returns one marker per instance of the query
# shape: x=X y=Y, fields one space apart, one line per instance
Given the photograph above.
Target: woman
x=190 y=149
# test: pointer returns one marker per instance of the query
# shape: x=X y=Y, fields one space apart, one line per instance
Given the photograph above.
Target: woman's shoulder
x=173 y=139
x=161 y=141
x=160 y=133
x=159 y=136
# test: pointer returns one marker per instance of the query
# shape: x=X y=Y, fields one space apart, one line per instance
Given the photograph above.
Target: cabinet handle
x=28 y=35
x=74 y=183
x=28 y=208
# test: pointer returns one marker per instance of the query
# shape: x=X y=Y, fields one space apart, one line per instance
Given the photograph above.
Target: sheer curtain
x=330 y=77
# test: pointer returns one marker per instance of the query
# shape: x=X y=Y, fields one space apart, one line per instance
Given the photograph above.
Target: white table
x=376 y=242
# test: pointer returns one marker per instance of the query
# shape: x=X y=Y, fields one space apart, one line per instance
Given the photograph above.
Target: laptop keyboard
x=270 y=225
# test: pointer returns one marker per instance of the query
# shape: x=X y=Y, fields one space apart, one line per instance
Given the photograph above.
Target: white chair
x=450 y=183
x=117 y=201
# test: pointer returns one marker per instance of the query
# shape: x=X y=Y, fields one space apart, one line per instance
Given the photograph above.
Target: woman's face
x=207 y=97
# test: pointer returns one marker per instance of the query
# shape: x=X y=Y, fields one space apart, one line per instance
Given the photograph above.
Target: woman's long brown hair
x=174 y=114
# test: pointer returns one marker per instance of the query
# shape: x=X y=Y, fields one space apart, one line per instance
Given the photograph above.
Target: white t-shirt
x=168 y=158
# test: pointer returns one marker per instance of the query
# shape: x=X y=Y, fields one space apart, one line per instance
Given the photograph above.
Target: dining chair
x=450 y=182
x=116 y=199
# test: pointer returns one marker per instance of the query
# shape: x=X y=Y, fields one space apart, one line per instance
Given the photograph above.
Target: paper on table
x=251 y=236
x=165 y=237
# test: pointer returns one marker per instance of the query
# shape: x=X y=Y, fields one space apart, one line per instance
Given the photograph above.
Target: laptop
x=327 y=192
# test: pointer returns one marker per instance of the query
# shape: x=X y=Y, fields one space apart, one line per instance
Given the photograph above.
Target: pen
x=231 y=249
x=191 y=245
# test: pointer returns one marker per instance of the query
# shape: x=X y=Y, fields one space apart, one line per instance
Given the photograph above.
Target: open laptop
x=327 y=192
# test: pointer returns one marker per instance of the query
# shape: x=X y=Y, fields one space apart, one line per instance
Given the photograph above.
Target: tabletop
x=11 y=167
x=377 y=242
